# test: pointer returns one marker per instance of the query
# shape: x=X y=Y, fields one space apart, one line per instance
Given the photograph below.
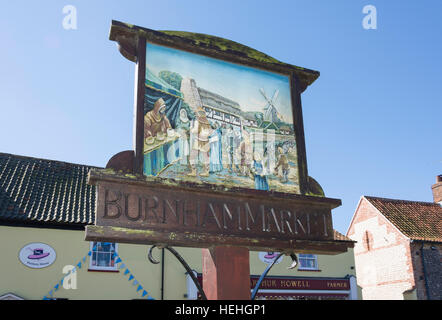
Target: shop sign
x=269 y=256
x=302 y=284
x=37 y=255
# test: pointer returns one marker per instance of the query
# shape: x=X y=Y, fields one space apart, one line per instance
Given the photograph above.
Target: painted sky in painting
x=233 y=81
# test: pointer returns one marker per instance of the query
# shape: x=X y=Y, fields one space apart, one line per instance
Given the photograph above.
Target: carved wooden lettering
x=154 y=209
x=111 y=204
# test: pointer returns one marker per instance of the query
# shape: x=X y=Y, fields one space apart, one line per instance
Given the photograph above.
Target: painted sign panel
x=216 y=122
x=269 y=256
x=295 y=283
x=292 y=283
x=37 y=255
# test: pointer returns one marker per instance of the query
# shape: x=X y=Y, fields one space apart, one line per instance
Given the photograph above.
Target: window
x=102 y=257
x=368 y=240
x=308 y=262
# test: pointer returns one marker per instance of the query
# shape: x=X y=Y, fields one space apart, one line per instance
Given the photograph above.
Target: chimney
x=437 y=190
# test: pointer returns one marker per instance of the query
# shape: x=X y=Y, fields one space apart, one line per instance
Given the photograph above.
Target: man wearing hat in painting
x=155 y=121
x=201 y=131
x=283 y=163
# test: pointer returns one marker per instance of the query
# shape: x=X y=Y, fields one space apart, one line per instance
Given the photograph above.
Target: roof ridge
x=49 y=160
x=401 y=200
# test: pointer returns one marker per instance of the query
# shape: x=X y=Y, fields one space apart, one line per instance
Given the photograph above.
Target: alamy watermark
x=70 y=21
x=70 y=17
x=70 y=280
x=370 y=20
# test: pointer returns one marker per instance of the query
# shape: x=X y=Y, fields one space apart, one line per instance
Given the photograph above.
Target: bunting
x=131 y=277
x=122 y=266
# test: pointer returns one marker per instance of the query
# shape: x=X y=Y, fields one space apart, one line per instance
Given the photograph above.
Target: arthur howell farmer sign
x=219 y=158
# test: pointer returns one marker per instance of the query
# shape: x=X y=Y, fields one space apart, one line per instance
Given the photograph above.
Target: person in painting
x=283 y=163
x=245 y=149
x=183 y=128
x=237 y=152
x=259 y=172
x=155 y=121
x=230 y=136
x=216 y=156
x=269 y=157
x=200 y=131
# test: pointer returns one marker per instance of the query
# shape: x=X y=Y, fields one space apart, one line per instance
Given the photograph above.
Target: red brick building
x=399 y=245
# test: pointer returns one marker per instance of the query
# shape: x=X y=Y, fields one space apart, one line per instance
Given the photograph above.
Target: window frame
x=101 y=268
x=314 y=258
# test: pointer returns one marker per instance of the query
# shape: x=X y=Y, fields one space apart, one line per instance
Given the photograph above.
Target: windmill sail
x=271 y=114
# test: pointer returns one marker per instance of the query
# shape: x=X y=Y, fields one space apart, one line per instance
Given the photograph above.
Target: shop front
x=296 y=288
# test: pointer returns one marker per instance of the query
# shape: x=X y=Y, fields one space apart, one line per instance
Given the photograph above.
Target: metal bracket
x=195 y=280
x=185 y=265
x=258 y=284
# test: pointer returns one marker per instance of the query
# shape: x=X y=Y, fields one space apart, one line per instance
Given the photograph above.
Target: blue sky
x=233 y=81
x=372 y=119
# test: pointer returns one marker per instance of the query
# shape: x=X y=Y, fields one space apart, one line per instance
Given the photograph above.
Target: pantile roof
x=45 y=191
x=339 y=236
x=416 y=220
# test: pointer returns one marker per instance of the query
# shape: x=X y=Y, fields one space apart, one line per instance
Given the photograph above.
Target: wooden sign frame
x=132 y=42
x=128 y=203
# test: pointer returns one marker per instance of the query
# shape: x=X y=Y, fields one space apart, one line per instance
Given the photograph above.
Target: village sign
x=209 y=169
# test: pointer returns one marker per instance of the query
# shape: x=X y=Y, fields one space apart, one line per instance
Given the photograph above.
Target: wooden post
x=138 y=135
x=226 y=273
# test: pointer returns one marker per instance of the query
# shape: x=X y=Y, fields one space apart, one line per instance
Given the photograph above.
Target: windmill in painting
x=270 y=112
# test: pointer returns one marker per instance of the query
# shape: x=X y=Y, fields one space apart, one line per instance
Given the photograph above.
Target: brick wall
x=437 y=189
x=384 y=266
x=432 y=254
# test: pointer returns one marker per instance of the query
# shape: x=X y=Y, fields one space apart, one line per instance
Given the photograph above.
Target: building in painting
x=228 y=112
x=398 y=247
x=44 y=207
x=220 y=109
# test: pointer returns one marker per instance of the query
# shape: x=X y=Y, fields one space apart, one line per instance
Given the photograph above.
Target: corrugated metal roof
x=416 y=220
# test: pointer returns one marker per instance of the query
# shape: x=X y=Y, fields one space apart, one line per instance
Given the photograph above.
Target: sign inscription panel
x=176 y=210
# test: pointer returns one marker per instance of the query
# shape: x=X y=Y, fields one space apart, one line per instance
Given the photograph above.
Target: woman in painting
x=183 y=128
x=259 y=172
x=216 y=157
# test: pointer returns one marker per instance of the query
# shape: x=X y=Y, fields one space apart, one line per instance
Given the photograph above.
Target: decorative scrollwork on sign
x=185 y=265
x=258 y=284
